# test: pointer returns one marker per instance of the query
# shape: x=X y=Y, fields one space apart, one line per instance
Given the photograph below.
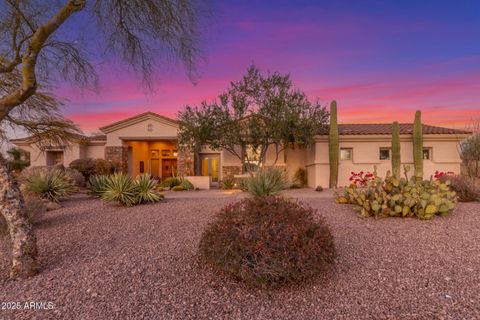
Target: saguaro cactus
x=333 y=146
x=396 y=149
x=418 y=145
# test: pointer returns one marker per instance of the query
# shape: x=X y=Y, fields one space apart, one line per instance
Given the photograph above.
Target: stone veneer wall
x=118 y=155
x=185 y=162
x=230 y=171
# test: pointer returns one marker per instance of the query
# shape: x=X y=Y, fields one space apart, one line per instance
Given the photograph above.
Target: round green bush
x=268 y=241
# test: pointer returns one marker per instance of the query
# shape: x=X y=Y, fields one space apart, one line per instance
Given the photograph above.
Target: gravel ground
x=101 y=261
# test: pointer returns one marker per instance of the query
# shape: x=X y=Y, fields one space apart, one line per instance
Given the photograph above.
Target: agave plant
x=121 y=188
x=49 y=184
x=267 y=182
x=97 y=184
x=146 y=189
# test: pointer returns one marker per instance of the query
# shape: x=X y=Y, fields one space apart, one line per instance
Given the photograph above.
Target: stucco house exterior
x=148 y=143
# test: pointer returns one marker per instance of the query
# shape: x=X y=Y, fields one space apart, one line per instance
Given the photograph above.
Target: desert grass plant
x=97 y=184
x=145 y=190
x=171 y=182
x=267 y=182
x=228 y=183
x=466 y=187
x=120 y=188
x=48 y=184
x=267 y=242
x=186 y=184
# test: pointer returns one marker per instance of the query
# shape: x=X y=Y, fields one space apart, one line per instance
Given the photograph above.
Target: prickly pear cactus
x=401 y=197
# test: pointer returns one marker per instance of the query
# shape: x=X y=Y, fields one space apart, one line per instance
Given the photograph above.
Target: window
x=54 y=158
x=384 y=154
x=427 y=153
x=166 y=153
x=346 y=153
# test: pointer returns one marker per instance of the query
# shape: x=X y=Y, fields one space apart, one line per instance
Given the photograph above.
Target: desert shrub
x=319 y=188
x=267 y=241
x=120 y=188
x=466 y=188
x=300 y=178
x=106 y=167
x=228 y=183
x=178 y=188
x=267 y=182
x=146 y=189
x=77 y=178
x=85 y=166
x=242 y=184
x=50 y=184
x=171 y=182
x=187 y=185
x=97 y=184
x=394 y=196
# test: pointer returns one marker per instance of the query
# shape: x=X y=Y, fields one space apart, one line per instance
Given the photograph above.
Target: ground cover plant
x=401 y=197
x=268 y=241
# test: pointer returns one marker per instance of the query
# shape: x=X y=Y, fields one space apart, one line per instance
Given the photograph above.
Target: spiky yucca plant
x=120 y=188
x=146 y=189
x=49 y=184
x=396 y=149
x=267 y=182
x=97 y=184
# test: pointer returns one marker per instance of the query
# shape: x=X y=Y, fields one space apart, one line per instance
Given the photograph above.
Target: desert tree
x=258 y=113
x=470 y=150
x=44 y=42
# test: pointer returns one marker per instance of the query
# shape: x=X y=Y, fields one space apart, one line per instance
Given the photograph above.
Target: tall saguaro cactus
x=333 y=146
x=396 y=149
x=418 y=145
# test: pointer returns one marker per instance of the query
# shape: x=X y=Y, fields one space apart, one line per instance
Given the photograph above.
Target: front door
x=155 y=167
x=211 y=167
x=169 y=167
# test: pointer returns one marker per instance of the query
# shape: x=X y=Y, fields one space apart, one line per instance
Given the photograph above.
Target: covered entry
x=157 y=157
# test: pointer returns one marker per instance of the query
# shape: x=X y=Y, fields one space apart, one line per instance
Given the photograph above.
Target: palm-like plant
x=49 y=184
x=16 y=161
x=146 y=189
x=267 y=182
x=120 y=188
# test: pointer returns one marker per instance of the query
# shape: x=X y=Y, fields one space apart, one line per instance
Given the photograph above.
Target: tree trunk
x=24 y=243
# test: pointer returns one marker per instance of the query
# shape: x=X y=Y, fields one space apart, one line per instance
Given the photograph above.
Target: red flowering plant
x=361 y=178
x=440 y=174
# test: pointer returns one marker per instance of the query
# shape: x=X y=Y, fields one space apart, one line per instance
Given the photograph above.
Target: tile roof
x=149 y=113
x=386 y=128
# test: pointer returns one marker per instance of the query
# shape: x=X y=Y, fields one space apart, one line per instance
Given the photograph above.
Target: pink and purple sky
x=381 y=61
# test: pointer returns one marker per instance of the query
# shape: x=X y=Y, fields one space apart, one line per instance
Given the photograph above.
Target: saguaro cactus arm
x=418 y=145
x=333 y=145
x=396 y=161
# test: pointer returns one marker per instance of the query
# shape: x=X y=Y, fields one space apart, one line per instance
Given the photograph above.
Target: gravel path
x=100 y=261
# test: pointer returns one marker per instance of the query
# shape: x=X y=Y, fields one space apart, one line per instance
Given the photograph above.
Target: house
x=148 y=143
